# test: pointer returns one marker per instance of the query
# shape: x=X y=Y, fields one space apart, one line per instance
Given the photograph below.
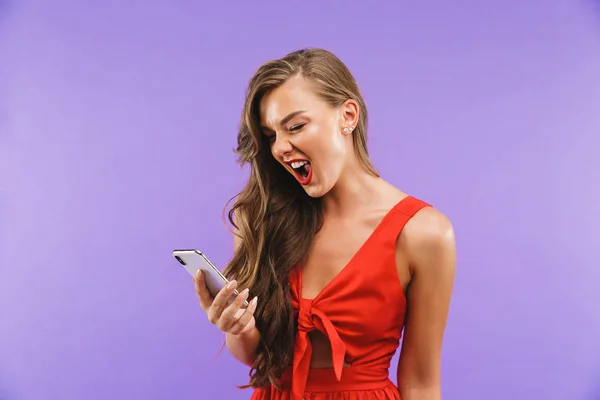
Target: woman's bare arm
x=429 y=245
x=244 y=344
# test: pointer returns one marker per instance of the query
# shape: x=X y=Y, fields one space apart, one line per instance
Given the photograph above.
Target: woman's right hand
x=230 y=319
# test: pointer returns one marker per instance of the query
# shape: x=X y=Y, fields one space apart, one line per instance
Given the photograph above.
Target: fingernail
x=199 y=273
x=254 y=301
x=230 y=285
x=244 y=294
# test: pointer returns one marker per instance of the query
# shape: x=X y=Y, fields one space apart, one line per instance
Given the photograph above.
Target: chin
x=316 y=191
x=315 y=194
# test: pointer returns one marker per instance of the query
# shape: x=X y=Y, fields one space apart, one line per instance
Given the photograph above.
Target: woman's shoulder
x=428 y=237
x=427 y=224
x=427 y=232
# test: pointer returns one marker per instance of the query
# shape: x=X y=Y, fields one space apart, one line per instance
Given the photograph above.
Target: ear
x=349 y=113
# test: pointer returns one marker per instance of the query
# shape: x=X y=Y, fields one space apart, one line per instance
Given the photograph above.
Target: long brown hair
x=275 y=218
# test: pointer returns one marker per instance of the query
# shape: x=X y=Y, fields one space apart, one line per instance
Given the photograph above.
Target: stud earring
x=349 y=129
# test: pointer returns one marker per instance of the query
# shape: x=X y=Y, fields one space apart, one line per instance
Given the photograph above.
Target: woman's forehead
x=296 y=96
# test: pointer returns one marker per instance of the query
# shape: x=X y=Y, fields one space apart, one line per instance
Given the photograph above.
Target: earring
x=350 y=129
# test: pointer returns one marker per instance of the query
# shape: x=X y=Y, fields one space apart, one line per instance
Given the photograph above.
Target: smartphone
x=193 y=260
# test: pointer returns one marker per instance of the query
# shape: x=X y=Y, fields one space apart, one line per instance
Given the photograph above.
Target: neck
x=355 y=189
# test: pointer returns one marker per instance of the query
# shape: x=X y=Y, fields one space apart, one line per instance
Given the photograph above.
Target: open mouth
x=302 y=170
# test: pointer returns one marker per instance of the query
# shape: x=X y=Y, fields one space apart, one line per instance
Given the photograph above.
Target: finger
x=228 y=317
x=202 y=291
x=245 y=318
x=220 y=302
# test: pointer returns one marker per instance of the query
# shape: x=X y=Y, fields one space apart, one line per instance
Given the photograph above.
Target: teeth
x=298 y=164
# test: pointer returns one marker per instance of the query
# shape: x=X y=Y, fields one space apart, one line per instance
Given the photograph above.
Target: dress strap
x=399 y=216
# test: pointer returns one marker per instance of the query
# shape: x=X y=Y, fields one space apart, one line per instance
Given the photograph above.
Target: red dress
x=361 y=311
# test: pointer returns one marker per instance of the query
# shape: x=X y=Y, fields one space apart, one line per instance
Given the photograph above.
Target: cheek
x=334 y=145
x=329 y=137
x=331 y=156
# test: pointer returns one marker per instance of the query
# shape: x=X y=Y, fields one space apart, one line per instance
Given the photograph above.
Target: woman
x=338 y=262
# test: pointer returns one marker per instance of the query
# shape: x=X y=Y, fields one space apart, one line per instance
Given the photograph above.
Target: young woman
x=336 y=262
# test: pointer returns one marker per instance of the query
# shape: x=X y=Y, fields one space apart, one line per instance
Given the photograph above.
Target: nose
x=281 y=147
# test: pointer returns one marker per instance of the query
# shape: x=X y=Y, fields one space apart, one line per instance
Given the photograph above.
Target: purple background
x=117 y=123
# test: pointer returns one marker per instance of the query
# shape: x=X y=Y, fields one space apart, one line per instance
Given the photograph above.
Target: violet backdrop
x=117 y=123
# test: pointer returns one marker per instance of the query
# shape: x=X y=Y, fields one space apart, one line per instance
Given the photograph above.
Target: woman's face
x=307 y=135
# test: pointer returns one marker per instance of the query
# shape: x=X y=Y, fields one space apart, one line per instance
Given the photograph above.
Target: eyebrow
x=287 y=118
